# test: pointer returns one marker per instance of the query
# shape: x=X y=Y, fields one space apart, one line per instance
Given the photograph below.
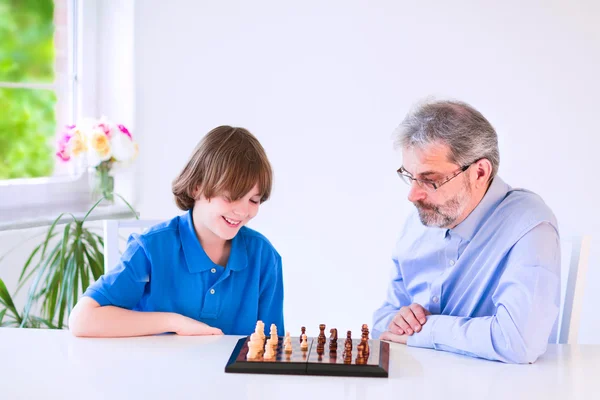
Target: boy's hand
x=185 y=326
x=409 y=320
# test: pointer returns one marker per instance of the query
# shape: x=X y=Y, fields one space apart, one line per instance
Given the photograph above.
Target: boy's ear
x=196 y=193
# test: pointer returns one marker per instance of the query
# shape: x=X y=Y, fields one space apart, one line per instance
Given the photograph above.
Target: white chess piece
x=304 y=344
x=269 y=352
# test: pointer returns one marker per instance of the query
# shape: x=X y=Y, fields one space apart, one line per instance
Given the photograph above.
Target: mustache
x=424 y=206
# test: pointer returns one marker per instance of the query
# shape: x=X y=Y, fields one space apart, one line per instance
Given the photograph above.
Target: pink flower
x=104 y=127
x=124 y=130
x=63 y=149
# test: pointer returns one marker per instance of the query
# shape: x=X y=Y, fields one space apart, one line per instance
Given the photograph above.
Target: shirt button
x=435 y=299
x=452 y=263
x=213 y=270
x=212 y=291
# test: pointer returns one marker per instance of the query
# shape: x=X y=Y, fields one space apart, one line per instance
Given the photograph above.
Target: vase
x=102 y=185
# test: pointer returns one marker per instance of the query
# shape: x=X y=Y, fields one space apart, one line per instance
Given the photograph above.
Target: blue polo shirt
x=167 y=270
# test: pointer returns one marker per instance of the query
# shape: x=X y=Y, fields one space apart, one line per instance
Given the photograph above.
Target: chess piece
x=348 y=349
x=288 y=348
x=255 y=346
x=269 y=351
x=333 y=340
x=349 y=339
x=303 y=332
x=366 y=351
x=365 y=331
x=274 y=337
x=359 y=355
x=321 y=340
x=260 y=329
x=304 y=343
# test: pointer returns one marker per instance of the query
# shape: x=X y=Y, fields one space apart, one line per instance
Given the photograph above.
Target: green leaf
x=128 y=205
x=2 y=315
x=7 y=301
x=28 y=262
x=40 y=273
x=5 y=297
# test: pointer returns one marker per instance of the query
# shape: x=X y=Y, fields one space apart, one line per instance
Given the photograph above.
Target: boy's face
x=223 y=217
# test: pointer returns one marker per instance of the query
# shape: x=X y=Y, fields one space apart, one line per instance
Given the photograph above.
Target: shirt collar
x=494 y=195
x=195 y=256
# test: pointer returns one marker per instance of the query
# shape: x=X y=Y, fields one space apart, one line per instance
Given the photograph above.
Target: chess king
x=477 y=266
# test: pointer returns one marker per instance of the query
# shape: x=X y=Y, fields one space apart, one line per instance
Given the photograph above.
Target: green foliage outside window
x=27 y=116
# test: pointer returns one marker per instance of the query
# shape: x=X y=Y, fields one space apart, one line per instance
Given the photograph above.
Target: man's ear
x=483 y=171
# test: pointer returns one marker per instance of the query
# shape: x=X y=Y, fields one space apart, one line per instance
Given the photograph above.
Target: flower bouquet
x=100 y=144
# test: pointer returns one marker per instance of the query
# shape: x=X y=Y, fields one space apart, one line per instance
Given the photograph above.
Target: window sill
x=45 y=216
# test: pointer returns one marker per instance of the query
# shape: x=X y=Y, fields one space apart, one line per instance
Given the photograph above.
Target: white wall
x=323 y=84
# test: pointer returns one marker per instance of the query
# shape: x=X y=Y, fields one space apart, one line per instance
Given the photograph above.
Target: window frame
x=69 y=189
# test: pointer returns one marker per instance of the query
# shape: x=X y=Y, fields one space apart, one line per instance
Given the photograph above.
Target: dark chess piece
x=321 y=340
x=303 y=332
x=333 y=340
x=365 y=331
x=349 y=336
x=360 y=359
x=366 y=351
x=348 y=350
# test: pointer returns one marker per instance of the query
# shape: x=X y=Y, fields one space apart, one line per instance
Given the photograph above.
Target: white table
x=48 y=364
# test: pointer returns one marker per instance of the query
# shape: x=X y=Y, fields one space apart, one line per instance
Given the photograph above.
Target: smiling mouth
x=232 y=222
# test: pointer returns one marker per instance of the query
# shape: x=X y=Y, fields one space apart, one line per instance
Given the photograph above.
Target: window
x=37 y=85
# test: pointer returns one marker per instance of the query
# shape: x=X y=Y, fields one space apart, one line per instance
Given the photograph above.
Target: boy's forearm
x=111 y=321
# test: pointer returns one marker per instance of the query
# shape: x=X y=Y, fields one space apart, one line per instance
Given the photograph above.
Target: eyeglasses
x=428 y=185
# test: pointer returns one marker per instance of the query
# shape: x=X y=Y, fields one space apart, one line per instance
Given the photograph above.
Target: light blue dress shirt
x=492 y=284
x=166 y=269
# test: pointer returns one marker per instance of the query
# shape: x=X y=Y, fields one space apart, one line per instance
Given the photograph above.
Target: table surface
x=53 y=364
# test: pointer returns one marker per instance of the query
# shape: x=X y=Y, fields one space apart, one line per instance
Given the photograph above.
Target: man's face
x=446 y=205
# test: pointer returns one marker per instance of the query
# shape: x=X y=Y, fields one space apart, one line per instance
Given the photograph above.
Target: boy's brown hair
x=227 y=160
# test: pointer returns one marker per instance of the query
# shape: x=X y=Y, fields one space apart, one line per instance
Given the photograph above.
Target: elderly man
x=477 y=267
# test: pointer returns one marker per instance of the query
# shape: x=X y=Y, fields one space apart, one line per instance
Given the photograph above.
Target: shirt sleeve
x=397 y=297
x=124 y=285
x=270 y=301
x=527 y=302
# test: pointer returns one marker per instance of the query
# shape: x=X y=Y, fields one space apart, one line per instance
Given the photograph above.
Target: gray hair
x=461 y=127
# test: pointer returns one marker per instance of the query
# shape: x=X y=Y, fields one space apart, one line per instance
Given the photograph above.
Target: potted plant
x=60 y=268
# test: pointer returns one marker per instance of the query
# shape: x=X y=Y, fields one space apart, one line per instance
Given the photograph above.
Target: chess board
x=309 y=362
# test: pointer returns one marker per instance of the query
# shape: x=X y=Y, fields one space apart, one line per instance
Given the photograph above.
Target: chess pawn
x=288 y=348
x=274 y=339
x=273 y=329
x=304 y=343
x=303 y=332
x=348 y=349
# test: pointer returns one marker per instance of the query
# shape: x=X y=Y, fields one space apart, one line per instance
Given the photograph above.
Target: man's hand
x=185 y=326
x=408 y=320
x=392 y=337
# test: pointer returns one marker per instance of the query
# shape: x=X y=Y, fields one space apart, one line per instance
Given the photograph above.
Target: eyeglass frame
x=424 y=184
